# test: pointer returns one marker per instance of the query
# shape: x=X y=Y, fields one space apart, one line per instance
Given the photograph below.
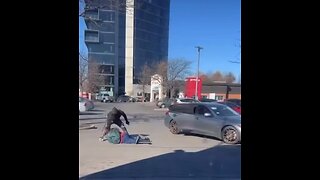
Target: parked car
x=211 y=119
x=85 y=104
x=186 y=100
x=160 y=101
x=207 y=100
x=105 y=97
x=232 y=105
x=125 y=98
x=139 y=99
x=166 y=103
x=236 y=101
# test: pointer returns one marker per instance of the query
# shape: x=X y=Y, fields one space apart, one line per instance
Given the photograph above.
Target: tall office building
x=122 y=35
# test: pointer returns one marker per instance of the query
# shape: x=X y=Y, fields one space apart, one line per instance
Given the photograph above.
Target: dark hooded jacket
x=113 y=117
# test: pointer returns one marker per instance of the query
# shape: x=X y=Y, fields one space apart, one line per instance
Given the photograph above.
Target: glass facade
x=101 y=42
x=105 y=38
x=151 y=31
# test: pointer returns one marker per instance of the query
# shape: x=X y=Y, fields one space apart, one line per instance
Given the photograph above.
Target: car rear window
x=187 y=100
x=182 y=108
x=223 y=110
x=208 y=100
x=231 y=104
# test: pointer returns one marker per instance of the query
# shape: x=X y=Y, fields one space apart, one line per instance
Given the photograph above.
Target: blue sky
x=213 y=24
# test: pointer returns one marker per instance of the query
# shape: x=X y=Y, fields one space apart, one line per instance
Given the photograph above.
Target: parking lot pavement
x=169 y=157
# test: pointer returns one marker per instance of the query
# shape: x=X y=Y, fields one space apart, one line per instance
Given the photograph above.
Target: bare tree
x=229 y=77
x=90 y=78
x=160 y=68
x=205 y=77
x=145 y=78
x=83 y=71
x=171 y=71
x=178 y=69
x=217 y=76
x=95 y=78
x=239 y=80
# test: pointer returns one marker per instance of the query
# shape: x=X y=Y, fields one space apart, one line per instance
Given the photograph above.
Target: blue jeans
x=130 y=139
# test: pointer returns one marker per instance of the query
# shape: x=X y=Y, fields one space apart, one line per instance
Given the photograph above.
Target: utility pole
x=196 y=95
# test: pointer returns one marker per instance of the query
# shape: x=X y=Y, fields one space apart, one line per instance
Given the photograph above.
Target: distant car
x=105 y=97
x=160 y=101
x=139 y=99
x=166 y=103
x=208 y=100
x=85 y=104
x=125 y=98
x=232 y=105
x=236 y=101
x=211 y=119
x=186 y=100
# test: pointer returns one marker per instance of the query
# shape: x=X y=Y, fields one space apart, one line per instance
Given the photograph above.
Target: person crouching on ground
x=113 y=117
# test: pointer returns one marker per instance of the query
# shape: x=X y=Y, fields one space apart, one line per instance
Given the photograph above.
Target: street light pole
x=196 y=94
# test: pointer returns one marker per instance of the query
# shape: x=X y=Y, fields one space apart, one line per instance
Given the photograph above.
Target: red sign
x=190 y=87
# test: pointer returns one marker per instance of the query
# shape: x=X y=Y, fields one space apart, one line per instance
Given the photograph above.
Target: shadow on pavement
x=202 y=136
x=97 y=110
x=221 y=162
x=89 y=113
x=92 y=123
x=101 y=118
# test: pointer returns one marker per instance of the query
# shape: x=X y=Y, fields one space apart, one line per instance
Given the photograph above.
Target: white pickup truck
x=104 y=97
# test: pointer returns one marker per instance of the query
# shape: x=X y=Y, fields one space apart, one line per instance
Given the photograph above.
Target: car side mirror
x=207 y=114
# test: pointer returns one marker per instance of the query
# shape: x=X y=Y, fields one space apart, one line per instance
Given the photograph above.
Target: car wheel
x=163 y=106
x=173 y=127
x=230 y=135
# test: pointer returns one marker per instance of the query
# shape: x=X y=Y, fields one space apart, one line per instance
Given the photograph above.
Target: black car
x=124 y=98
x=235 y=101
x=208 y=100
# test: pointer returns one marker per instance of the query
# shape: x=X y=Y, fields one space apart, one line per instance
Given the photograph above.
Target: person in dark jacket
x=113 y=117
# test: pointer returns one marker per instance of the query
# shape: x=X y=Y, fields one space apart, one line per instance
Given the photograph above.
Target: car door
x=184 y=116
x=209 y=125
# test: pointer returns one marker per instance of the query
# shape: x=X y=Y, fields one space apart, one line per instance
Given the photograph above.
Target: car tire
x=173 y=127
x=163 y=106
x=230 y=135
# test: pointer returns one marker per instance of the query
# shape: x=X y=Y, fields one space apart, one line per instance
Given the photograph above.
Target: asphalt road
x=169 y=157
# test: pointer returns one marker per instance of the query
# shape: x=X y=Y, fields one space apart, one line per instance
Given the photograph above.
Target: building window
x=101 y=48
x=106 y=59
x=107 y=15
x=139 y=94
x=219 y=98
x=106 y=69
x=92 y=14
x=109 y=80
x=108 y=37
x=92 y=36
